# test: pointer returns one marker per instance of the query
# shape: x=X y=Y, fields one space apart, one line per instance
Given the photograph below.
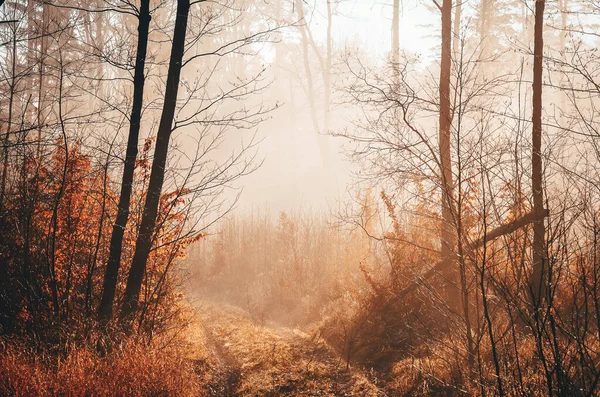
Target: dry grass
x=133 y=369
x=279 y=361
x=427 y=376
x=438 y=370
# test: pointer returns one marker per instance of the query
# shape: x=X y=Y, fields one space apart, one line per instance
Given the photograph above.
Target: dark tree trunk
x=540 y=262
x=116 y=240
x=157 y=175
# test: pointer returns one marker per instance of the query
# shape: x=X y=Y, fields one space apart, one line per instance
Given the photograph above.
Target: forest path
x=250 y=359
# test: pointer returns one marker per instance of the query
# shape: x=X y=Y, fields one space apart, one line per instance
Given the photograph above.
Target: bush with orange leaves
x=55 y=229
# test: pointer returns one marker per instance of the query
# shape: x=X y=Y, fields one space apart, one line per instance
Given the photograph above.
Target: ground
x=238 y=356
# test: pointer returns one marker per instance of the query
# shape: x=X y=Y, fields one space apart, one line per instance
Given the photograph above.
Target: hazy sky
x=370 y=22
x=292 y=174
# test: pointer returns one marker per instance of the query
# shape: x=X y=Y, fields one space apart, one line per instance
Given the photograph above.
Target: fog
x=234 y=198
x=292 y=172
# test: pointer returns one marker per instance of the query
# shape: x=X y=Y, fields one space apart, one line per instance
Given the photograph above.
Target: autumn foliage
x=55 y=234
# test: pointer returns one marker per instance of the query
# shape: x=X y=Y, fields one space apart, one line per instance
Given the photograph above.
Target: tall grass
x=131 y=369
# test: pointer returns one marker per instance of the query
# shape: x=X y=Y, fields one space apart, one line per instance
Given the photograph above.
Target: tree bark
x=540 y=262
x=157 y=175
x=448 y=230
x=105 y=310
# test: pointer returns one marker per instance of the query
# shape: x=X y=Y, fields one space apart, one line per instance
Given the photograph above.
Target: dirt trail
x=248 y=359
x=226 y=368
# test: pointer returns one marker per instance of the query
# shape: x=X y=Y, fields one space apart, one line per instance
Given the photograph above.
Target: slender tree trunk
x=323 y=144
x=327 y=74
x=157 y=175
x=309 y=77
x=448 y=230
x=456 y=36
x=99 y=38
x=564 y=9
x=31 y=42
x=396 y=40
x=116 y=242
x=484 y=299
x=6 y=141
x=278 y=58
x=462 y=262
x=540 y=262
x=528 y=28
x=483 y=27
x=94 y=260
x=59 y=196
x=41 y=74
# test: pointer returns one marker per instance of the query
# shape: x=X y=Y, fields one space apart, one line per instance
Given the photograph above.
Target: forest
x=300 y=198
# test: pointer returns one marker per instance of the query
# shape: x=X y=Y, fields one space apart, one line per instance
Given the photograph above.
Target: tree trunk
x=484 y=24
x=327 y=72
x=11 y=102
x=448 y=231
x=41 y=74
x=157 y=175
x=321 y=140
x=116 y=241
x=540 y=262
x=396 y=40
x=564 y=11
x=305 y=54
x=456 y=44
x=99 y=38
x=462 y=262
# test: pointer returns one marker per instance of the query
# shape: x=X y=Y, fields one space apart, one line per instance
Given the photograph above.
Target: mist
x=299 y=198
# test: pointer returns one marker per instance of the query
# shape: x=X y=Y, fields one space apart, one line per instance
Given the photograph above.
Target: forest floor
x=237 y=356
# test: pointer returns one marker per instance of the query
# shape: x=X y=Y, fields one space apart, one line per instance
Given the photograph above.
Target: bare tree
x=148 y=223
x=120 y=225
